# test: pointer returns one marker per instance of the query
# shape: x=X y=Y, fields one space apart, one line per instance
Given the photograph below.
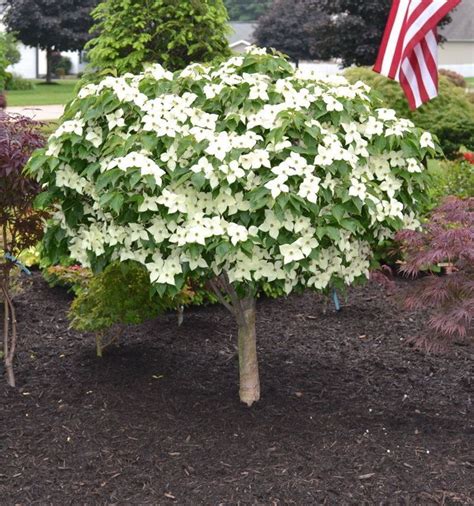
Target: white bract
x=250 y=167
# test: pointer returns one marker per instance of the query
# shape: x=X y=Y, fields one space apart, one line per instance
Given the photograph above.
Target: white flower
x=237 y=233
x=357 y=189
x=158 y=231
x=390 y=186
x=307 y=244
x=414 y=165
x=259 y=91
x=426 y=141
x=332 y=104
x=149 y=204
x=372 y=127
x=387 y=114
x=233 y=171
x=174 y=202
x=116 y=119
x=255 y=160
x=309 y=188
x=162 y=270
x=277 y=186
x=271 y=225
x=291 y=252
x=220 y=146
x=94 y=136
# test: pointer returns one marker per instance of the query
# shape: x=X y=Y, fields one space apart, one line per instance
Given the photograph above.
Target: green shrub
x=121 y=294
x=452 y=178
x=73 y=277
x=454 y=77
x=450 y=116
x=61 y=65
x=14 y=82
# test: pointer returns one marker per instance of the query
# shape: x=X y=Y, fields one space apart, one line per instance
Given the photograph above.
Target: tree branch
x=221 y=297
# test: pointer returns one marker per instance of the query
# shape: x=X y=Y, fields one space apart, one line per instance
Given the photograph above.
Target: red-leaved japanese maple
x=20 y=226
x=447 y=237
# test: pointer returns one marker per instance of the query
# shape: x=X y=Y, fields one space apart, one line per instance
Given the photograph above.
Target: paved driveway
x=39 y=112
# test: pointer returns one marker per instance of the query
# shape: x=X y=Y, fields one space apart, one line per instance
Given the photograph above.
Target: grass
x=470 y=82
x=58 y=94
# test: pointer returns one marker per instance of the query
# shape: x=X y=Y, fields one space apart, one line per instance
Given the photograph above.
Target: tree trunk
x=9 y=343
x=248 y=362
x=49 y=64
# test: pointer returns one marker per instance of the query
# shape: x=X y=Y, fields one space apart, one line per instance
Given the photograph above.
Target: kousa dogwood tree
x=243 y=173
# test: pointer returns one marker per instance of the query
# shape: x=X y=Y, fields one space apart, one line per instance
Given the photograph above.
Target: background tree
x=171 y=32
x=352 y=30
x=9 y=47
x=52 y=25
x=285 y=27
x=246 y=10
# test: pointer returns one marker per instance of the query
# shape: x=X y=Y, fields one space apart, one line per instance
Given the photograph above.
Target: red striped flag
x=409 y=50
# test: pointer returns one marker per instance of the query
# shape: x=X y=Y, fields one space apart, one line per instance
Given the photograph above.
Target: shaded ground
x=349 y=413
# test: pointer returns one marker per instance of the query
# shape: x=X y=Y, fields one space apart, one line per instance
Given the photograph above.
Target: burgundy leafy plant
x=20 y=226
x=447 y=238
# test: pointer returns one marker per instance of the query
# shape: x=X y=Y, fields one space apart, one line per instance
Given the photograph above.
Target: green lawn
x=470 y=82
x=43 y=94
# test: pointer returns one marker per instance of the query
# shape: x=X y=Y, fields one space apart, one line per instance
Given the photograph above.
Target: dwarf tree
x=20 y=226
x=242 y=174
x=448 y=236
x=52 y=25
x=131 y=33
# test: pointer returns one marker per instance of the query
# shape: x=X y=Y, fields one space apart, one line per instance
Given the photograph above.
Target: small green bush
x=450 y=116
x=122 y=294
x=454 y=77
x=61 y=65
x=452 y=178
x=15 y=82
x=73 y=277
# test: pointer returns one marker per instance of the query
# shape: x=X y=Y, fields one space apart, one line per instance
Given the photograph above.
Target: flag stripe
x=409 y=49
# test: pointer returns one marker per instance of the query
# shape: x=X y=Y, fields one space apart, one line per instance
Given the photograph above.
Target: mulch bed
x=349 y=414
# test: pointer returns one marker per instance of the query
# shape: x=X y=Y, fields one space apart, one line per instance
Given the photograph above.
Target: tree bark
x=49 y=64
x=244 y=311
x=9 y=341
x=248 y=361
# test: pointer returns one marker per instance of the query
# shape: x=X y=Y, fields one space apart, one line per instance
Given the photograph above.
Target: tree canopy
x=285 y=27
x=246 y=10
x=174 y=33
x=350 y=30
x=59 y=25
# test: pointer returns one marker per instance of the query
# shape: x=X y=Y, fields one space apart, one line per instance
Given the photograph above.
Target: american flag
x=409 y=50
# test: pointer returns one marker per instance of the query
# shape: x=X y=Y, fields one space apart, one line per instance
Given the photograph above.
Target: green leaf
x=333 y=233
x=43 y=199
x=338 y=211
x=108 y=178
x=116 y=202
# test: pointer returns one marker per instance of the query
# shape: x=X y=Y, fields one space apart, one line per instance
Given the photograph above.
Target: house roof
x=242 y=32
x=462 y=26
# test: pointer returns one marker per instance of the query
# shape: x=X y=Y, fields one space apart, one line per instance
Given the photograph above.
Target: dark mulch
x=349 y=413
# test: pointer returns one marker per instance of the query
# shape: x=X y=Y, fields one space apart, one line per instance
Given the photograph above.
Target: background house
x=458 y=52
